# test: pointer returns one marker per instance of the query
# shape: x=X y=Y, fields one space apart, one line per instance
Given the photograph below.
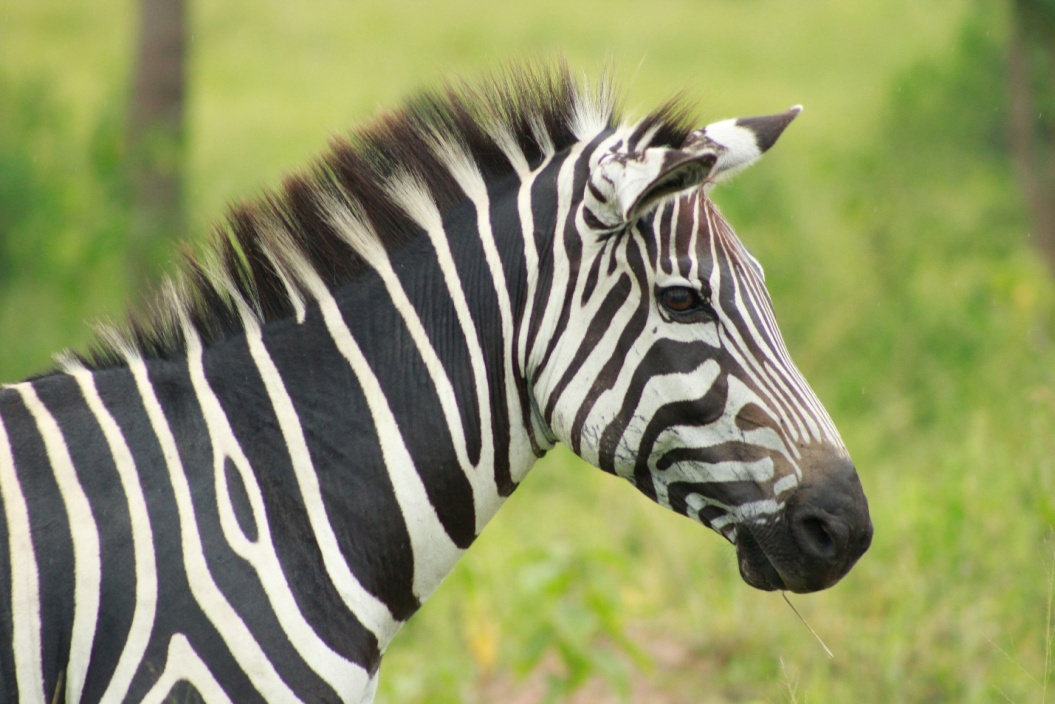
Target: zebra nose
x=818 y=535
x=830 y=523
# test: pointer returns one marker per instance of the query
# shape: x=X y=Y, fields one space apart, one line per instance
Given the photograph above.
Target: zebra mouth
x=755 y=567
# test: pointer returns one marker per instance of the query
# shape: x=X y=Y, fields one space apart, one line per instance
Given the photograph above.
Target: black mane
x=524 y=103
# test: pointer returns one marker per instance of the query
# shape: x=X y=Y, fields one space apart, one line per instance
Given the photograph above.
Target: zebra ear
x=624 y=186
x=739 y=142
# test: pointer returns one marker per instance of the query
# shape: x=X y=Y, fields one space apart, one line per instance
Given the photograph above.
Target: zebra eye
x=681 y=300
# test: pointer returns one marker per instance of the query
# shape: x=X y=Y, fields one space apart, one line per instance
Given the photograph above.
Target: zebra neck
x=401 y=396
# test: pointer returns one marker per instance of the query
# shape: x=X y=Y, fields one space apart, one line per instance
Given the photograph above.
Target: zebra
x=243 y=492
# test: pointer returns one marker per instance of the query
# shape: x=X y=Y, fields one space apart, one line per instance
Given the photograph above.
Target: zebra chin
x=815 y=540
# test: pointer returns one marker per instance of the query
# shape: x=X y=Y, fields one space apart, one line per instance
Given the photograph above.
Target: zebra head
x=674 y=374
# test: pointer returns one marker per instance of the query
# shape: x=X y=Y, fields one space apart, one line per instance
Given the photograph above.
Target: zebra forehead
x=689 y=231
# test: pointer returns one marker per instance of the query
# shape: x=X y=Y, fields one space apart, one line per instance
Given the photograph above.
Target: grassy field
x=896 y=250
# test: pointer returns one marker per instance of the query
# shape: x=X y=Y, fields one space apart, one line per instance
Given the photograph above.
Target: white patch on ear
x=740 y=148
x=739 y=142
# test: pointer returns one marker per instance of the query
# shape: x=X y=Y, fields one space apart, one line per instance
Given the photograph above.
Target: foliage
x=61 y=212
x=27 y=203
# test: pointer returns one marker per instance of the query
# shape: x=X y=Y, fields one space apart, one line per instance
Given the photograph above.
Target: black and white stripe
x=245 y=494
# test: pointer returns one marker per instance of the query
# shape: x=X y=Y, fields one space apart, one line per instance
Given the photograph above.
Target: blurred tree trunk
x=155 y=137
x=1031 y=82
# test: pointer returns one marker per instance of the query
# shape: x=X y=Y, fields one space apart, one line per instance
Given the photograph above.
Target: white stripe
x=368 y=609
x=694 y=254
x=434 y=552
x=785 y=483
x=583 y=384
x=370 y=691
x=759 y=472
x=542 y=136
x=342 y=675
x=527 y=224
x=696 y=502
x=280 y=260
x=486 y=500
x=561 y=272
x=799 y=396
x=237 y=637
x=658 y=392
x=777 y=365
x=142 y=542
x=471 y=181
x=725 y=429
x=183 y=664
x=422 y=209
x=85 y=537
x=753 y=511
x=25 y=591
x=772 y=372
x=736 y=347
x=502 y=134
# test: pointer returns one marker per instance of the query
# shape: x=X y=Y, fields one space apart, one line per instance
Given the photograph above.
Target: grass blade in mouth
x=785 y=595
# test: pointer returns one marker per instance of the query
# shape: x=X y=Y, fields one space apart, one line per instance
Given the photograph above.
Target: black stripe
x=760 y=375
x=647 y=233
x=52 y=542
x=8 y=683
x=666 y=237
x=608 y=373
x=670 y=357
x=97 y=474
x=544 y=216
x=508 y=232
x=573 y=249
x=462 y=228
x=236 y=382
x=422 y=280
x=677 y=498
x=598 y=327
x=233 y=576
x=742 y=452
x=593 y=274
x=347 y=459
x=413 y=398
x=683 y=229
x=594 y=222
x=595 y=191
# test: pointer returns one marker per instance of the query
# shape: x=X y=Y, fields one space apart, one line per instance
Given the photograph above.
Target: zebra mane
x=252 y=270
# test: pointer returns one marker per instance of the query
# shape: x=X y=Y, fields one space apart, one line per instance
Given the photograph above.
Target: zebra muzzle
x=824 y=529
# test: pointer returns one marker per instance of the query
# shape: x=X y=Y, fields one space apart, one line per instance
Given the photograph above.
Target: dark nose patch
x=829 y=523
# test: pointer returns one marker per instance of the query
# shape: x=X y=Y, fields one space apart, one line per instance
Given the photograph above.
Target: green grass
x=896 y=252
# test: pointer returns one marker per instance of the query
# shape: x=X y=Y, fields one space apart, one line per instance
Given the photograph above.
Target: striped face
x=677 y=378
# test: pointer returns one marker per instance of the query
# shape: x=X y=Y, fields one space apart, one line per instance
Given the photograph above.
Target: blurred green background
x=900 y=252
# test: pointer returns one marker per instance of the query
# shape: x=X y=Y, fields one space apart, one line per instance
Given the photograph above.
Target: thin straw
x=785 y=595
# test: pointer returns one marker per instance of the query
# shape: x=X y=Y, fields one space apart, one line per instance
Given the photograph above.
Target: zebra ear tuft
x=739 y=142
x=623 y=187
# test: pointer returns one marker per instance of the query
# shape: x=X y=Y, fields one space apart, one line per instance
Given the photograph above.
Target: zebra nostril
x=828 y=518
x=816 y=536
